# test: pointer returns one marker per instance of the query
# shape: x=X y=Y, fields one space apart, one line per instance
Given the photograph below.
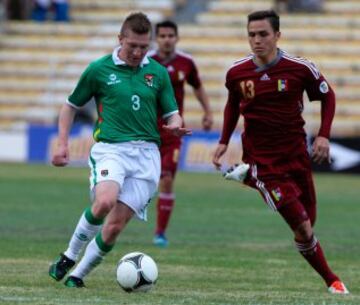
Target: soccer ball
x=136 y=272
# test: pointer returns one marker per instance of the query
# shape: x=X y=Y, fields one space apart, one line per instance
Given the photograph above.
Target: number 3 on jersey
x=135 y=102
x=248 y=89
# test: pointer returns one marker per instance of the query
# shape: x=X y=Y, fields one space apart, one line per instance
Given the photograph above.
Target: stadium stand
x=40 y=63
x=330 y=39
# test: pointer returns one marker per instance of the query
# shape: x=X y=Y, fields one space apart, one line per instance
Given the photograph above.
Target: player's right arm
x=82 y=93
x=219 y=152
x=61 y=154
x=231 y=117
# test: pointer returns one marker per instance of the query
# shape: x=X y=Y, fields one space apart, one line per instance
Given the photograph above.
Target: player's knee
x=102 y=206
x=304 y=231
x=312 y=216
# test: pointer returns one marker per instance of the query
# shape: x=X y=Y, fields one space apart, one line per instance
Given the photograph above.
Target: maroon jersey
x=271 y=100
x=181 y=68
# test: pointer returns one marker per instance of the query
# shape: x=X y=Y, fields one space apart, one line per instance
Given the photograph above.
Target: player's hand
x=321 y=150
x=219 y=152
x=60 y=156
x=207 y=121
x=177 y=131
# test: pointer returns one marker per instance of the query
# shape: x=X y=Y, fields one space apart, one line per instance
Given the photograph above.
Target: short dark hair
x=270 y=15
x=166 y=24
x=138 y=23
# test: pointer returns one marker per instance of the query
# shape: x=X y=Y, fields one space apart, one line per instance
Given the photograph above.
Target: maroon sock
x=312 y=252
x=165 y=206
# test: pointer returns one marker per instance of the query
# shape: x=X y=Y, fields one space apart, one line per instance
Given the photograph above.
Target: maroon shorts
x=285 y=185
x=169 y=152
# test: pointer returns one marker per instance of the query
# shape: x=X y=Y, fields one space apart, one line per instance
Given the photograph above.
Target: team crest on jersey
x=149 y=79
x=104 y=172
x=324 y=88
x=170 y=69
x=277 y=194
x=282 y=85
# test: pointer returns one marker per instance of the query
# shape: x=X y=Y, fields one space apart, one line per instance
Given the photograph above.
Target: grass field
x=226 y=246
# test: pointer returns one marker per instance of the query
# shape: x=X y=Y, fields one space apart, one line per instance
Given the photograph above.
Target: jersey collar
x=119 y=62
x=166 y=60
x=270 y=64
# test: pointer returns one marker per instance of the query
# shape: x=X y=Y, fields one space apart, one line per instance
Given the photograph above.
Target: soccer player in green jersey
x=129 y=89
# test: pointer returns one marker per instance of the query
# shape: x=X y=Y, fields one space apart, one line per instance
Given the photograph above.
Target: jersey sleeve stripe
x=184 y=54
x=72 y=105
x=306 y=63
x=169 y=114
x=241 y=61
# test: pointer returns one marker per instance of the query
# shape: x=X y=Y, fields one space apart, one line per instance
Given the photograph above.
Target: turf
x=226 y=246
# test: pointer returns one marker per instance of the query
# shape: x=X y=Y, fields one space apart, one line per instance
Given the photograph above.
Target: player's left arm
x=202 y=97
x=321 y=145
x=322 y=91
x=60 y=155
x=193 y=79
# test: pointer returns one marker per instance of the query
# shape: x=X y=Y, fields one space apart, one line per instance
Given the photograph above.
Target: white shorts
x=134 y=165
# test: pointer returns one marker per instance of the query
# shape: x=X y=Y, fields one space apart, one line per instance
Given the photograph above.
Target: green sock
x=91 y=218
x=101 y=244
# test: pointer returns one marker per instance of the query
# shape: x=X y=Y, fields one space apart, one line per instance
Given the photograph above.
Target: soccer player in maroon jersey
x=267 y=88
x=181 y=68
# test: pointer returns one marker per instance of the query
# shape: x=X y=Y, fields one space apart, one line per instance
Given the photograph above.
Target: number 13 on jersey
x=247 y=89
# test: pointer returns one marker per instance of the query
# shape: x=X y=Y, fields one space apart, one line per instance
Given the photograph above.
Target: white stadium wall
x=13 y=146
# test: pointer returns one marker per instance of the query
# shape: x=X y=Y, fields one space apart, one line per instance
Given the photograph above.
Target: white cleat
x=338 y=287
x=237 y=172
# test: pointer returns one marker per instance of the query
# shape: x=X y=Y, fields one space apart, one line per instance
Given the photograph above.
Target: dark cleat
x=60 y=267
x=74 y=282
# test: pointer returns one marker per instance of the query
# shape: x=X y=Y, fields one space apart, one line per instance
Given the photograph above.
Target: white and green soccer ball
x=136 y=272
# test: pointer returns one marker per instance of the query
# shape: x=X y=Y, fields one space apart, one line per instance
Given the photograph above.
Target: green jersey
x=128 y=99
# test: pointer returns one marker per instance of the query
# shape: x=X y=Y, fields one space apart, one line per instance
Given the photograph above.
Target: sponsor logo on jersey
x=324 y=88
x=113 y=79
x=265 y=77
x=104 y=172
x=149 y=79
x=282 y=85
